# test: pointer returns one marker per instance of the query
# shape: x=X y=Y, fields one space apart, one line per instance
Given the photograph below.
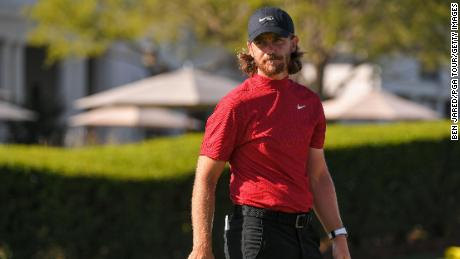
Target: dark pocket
x=311 y=242
x=232 y=237
x=252 y=237
x=313 y=235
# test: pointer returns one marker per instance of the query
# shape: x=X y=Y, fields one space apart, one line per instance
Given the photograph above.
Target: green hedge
x=393 y=181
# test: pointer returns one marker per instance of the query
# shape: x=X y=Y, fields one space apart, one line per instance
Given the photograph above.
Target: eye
x=279 y=40
x=260 y=43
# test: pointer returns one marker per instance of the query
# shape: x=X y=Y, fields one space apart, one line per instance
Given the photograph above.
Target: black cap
x=270 y=19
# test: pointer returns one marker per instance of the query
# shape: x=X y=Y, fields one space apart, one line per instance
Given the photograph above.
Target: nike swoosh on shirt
x=300 y=106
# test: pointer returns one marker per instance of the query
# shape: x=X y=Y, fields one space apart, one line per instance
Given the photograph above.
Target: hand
x=201 y=254
x=340 y=248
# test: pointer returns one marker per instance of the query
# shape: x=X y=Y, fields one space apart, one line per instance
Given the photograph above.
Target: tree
x=327 y=28
x=88 y=27
x=369 y=28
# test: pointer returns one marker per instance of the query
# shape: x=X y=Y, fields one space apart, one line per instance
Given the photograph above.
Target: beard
x=273 y=64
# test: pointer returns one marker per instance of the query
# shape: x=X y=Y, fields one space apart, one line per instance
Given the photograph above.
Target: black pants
x=250 y=237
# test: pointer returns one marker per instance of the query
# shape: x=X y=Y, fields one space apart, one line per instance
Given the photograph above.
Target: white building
x=25 y=80
x=400 y=75
x=405 y=77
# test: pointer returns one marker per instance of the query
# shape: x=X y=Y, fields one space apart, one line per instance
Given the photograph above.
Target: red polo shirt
x=264 y=128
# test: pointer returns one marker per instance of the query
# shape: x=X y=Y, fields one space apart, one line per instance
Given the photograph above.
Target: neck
x=274 y=77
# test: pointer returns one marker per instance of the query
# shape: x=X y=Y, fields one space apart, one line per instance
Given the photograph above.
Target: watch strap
x=337 y=232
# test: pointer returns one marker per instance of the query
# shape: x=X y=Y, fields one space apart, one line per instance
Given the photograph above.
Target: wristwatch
x=337 y=232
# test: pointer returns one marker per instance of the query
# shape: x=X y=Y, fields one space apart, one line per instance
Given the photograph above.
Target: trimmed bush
x=133 y=201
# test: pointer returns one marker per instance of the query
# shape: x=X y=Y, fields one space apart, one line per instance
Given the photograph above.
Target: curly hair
x=249 y=67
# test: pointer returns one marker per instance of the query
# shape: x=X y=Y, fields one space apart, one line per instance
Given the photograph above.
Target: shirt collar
x=262 y=81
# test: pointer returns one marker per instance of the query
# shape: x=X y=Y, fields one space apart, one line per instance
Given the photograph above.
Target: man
x=271 y=130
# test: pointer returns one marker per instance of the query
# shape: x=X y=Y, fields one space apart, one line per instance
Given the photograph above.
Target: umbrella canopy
x=15 y=113
x=376 y=105
x=132 y=116
x=186 y=87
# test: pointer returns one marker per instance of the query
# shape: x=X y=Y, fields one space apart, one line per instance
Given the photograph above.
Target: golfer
x=271 y=130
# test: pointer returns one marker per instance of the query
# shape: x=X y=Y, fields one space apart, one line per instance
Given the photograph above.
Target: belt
x=298 y=220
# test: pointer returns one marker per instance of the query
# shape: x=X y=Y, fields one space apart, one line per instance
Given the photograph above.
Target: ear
x=294 y=43
x=249 y=44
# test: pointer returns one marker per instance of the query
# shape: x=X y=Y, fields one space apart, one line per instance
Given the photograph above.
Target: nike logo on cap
x=300 y=106
x=268 y=18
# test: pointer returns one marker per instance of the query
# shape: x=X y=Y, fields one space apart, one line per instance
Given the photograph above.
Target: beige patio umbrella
x=376 y=105
x=187 y=87
x=10 y=112
x=132 y=116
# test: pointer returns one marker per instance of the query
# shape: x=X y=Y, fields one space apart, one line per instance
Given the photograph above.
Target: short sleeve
x=319 y=131
x=220 y=132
